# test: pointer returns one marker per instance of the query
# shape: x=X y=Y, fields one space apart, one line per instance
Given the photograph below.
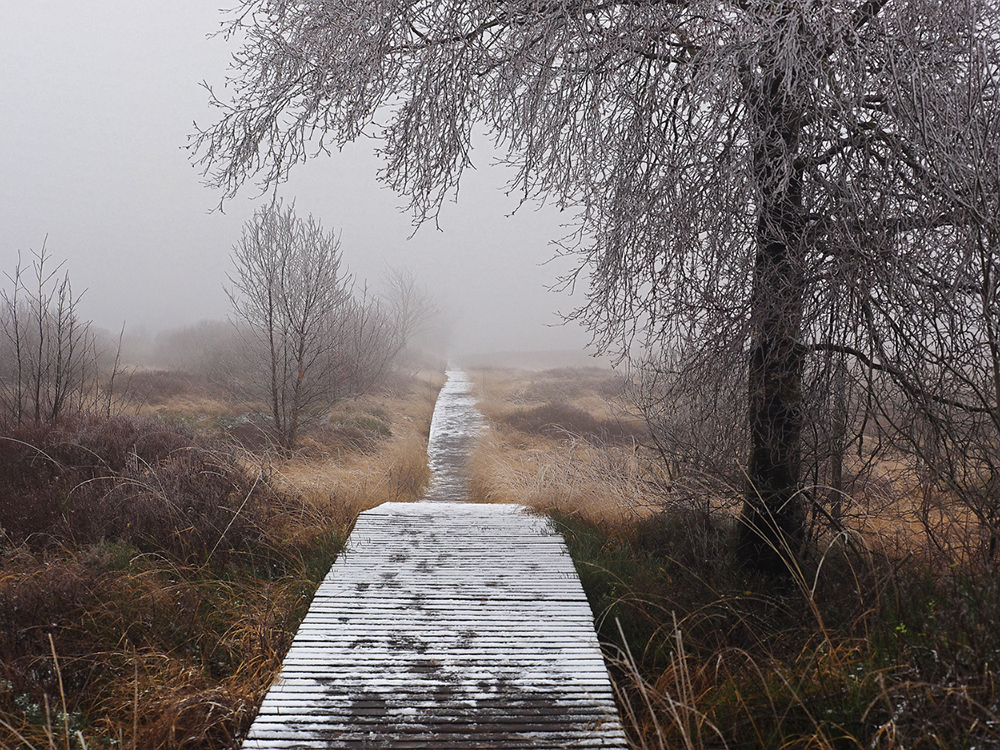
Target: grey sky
x=97 y=100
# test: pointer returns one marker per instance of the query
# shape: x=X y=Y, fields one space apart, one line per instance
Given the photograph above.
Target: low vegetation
x=883 y=637
x=155 y=565
x=556 y=437
x=160 y=540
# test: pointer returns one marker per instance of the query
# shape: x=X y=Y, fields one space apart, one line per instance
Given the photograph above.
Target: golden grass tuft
x=571 y=477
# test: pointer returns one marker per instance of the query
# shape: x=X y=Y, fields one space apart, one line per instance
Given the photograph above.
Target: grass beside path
x=153 y=572
x=873 y=647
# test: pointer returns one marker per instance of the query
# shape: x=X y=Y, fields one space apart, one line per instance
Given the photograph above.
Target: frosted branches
x=773 y=178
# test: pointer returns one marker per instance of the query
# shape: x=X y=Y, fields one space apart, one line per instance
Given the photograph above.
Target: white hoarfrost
x=445 y=624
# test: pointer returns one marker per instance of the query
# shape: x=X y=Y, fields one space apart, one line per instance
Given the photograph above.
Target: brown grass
x=580 y=402
x=356 y=476
x=885 y=638
x=558 y=442
x=154 y=572
x=571 y=477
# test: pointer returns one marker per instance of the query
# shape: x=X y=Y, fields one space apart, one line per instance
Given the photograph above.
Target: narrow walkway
x=455 y=425
x=445 y=625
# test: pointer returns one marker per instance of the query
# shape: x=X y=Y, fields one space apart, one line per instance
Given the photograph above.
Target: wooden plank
x=447 y=625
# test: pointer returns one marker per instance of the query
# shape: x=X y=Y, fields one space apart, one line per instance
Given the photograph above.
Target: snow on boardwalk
x=446 y=625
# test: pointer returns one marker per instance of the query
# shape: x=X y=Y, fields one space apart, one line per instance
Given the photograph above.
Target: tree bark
x=773 y=518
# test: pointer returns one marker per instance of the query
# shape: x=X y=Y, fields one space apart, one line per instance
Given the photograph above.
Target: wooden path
x=447 y=625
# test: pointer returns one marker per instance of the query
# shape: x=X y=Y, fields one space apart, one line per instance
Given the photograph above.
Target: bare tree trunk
x=20 y=353
x=274 y=355
x=40 y=362
x=773 y=519
x=838 y=436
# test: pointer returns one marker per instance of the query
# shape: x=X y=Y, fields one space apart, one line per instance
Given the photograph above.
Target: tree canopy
x=768 y=179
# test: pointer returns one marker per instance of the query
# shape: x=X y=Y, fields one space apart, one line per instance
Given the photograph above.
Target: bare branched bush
x=413 y=313
x=309 y=338
x=51 y=363
x=135 y=480
x=691 y=408
x=289 y=294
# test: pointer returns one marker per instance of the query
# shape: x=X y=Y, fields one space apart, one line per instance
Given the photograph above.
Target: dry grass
x=572 y=477
x=154 y=572
x=558 y=442
x=900 y=513
x=356 y=476
x=886 y=638
x=561 y=440
x=582 y=402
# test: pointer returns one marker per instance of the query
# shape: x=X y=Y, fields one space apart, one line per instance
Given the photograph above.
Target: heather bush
x=89 y=480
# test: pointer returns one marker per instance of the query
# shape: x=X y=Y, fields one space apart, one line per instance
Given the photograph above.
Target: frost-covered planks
x=454 y=427
x=447 y=625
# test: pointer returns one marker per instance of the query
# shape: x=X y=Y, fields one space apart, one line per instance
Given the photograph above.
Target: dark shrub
x=132 y=480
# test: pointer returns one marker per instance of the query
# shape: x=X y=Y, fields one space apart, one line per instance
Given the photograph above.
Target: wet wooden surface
x=455 y=426
x=448 y=625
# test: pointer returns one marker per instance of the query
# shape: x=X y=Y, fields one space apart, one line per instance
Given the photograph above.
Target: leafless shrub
x=50 y=361
x=411 y=309
x=157 y=386
x=310 y=339
x=289 y=293
x=691 y=406
x=369 y=342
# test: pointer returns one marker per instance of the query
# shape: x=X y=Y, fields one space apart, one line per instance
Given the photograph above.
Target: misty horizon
x=99 y=104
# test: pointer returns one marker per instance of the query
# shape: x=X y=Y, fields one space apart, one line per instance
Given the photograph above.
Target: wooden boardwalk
x=447 y=625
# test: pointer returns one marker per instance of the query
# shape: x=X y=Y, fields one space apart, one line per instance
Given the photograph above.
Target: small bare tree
x=289 y=297
x=50 y=359
x=409 y=305
x=379 y=327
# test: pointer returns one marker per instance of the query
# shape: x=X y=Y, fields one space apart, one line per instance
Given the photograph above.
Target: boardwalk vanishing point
x=445 y=624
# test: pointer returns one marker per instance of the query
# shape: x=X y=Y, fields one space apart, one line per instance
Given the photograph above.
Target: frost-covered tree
x=751 y=175
x=308 y=338
x=290 y=298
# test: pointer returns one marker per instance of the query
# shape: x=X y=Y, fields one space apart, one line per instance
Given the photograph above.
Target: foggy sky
x=97 y=100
